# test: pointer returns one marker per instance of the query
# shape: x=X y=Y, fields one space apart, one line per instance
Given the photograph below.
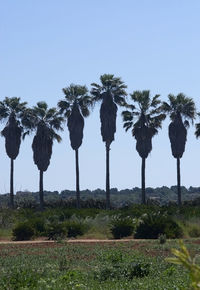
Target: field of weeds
x=124 y=265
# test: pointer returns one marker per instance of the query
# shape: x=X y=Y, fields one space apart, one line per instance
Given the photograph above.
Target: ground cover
x=123 y=265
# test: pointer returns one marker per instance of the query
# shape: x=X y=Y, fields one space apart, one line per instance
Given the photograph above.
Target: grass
x=130 y=265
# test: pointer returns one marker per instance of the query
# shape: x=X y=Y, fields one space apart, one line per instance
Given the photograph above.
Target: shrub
x=162 y=239
x=22 y=232
x=38 y=225
x=75 y=229
x=122 y=226
x=56 y=231
x=138 y=270
x=156 y=224
x=194 y=231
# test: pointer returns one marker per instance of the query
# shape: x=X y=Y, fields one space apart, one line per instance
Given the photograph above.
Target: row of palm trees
x=143 y=115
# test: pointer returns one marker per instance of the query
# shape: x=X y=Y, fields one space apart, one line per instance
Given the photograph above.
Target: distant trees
x=11 y=110
x=75 y=107
x=110 y=92
x=178 y=108
x=144 y=119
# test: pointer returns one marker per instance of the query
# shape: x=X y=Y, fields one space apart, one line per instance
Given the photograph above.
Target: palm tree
x=46 y=122
x=11 y=109
x=144 y=120
x=110 y=92
x=179 y=107
x=75 y=107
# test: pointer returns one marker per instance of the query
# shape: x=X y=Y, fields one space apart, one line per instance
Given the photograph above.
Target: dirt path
x=7 y=242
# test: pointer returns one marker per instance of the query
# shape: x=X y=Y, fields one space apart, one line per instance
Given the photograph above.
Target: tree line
x=142 y=114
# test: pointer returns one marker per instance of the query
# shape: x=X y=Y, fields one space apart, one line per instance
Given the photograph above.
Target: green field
x=116 y=265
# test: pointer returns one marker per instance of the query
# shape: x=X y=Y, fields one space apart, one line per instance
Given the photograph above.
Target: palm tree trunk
x=41 y=191
x=143 y=181
x=107 y=176
x=179 y=182
x=11 y=183
x=78 y=204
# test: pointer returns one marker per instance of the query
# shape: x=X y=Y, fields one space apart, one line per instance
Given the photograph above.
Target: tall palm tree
x=144 y=119
x=75 y=107
x=178 y=108
x=46 y=122
x=11 y=110
x=110 y=92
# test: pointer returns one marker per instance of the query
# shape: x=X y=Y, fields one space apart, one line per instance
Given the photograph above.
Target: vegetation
x=46 y=122
x=144 y=117
x=146 y=222
x=75 y=107
x=179 y=107
x=110 y=92
x=12 y=110
x=183 y=258
x=149 y=117
x=130 y=265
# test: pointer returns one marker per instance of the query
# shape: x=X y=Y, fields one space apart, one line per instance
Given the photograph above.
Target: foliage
x=83 y=266
x=22 y=232
x=183 y=258
x=122 y=226
x=162 y=239
x=153 y=225
x=138 y=270
x=75 y=228
x=56 y=230
x=145 y=120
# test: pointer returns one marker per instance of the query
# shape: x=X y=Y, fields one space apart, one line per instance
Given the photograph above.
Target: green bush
x=75 y=229
x=22 y=232
x=156 y=224
x=56 y=231
x=194 y=231
x=122 y=226
x=162 y=239
x=138 y=270
x=38 y=225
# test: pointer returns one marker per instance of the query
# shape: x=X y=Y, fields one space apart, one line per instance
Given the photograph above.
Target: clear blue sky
x=46 y=45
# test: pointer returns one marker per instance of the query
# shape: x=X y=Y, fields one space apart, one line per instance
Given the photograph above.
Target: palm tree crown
x=145 y=120
x=75 y=107
x=46 y=122
x=111 y=92
x=179 y=108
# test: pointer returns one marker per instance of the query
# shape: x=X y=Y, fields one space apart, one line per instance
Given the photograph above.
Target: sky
x=47 y=45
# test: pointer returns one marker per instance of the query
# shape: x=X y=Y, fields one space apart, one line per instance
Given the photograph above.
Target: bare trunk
x=179 y=182
x=143 y=181
x=41 y=191
x=78 y=203
x=107 y=176
x=11 y=183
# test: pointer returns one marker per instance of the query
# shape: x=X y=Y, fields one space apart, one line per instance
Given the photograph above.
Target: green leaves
x=109 y=84
x=182 y=257
x=75 y=94
x=147 y=112
x=180 y=104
